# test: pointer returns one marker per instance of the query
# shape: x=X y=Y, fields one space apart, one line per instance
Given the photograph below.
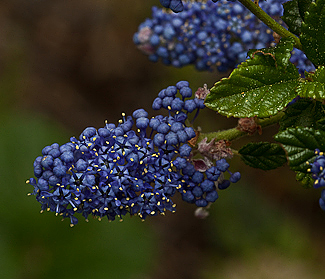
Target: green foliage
x=304 y=113
x=294 y=14
x=300 y=143
x=314 y=86
x=261 y=86
x=263 y=155
x=320 y=124
x=305 y=179
x=312 y=33
x=280 y=53
x=302 y=132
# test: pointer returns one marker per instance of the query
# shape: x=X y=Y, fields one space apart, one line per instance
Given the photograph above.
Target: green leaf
x=312 y=33
x=304 y=7
x=260 y=86
x=305 y=179
x=320 y=124
x=281 y=53
x=294 y=14
x=263 y=155
x=304 y=113
x=300 y=143
x=316 y=87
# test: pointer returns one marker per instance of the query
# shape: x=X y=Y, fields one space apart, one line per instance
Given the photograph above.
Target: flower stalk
x=270 y=22
x=234 y=133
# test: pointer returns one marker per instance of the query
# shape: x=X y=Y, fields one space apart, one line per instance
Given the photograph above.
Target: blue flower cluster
x=209 y=35
x=317 y=169
x=134 y=167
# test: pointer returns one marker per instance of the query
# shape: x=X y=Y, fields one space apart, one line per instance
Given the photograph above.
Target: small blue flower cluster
x=201 y=188
x=317 y=168
x=208 y=35
x=117 y=170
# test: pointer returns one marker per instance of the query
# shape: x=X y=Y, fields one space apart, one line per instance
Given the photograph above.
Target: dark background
x=66 y=65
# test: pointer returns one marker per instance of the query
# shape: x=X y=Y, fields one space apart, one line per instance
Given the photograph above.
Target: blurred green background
x=66 y=65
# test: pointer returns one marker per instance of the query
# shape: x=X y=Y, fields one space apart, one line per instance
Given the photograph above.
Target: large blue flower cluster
x=134 y=167
x=209 y=35
x=317 y=169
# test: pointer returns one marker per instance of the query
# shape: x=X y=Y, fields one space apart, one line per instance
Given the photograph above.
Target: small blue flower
x=186 y=92
x=224 y=185
x=185 y=150
x=157 y=104
x=235 y=177
x=175 y=5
